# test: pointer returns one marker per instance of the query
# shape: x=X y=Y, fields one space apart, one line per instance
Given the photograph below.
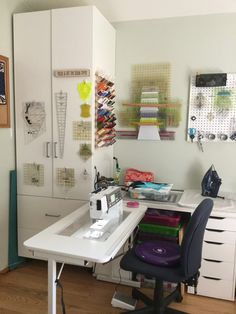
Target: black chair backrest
x=191 y=247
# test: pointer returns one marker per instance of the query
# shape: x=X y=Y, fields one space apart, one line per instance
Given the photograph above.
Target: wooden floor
x=24 y=291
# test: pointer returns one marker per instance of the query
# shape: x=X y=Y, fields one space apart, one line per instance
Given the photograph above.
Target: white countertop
x=75 y=250
x=224 y=206
x=188 y=200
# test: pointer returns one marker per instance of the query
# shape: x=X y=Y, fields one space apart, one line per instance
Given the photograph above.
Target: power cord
x=58 y=283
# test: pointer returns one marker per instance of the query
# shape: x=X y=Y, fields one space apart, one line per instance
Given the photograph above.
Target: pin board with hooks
x=212 y=108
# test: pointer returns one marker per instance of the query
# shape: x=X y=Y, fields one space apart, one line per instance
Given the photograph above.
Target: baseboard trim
x=4 y=271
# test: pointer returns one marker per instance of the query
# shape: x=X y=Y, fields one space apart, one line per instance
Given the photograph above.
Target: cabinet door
x=32 y=69
x=71 y=50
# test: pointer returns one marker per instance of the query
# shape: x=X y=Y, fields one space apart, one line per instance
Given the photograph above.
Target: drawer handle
x=51 y=215
x=218 y=218
x=214 y=230
x=211 y=278
x=211 y=242
x=212 y=260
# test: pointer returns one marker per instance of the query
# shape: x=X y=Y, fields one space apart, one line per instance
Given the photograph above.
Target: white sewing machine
x=106 y=210
x=106 y=204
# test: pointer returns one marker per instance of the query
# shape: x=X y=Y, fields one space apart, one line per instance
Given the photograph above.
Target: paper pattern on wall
x=34 y=174
x=66 y=177
x=82 y=130
x=85 y=151
x=34 y=116
x=61 y=106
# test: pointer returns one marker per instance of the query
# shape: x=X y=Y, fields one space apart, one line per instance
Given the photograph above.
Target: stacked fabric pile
x=149 y=96
x=148 y=113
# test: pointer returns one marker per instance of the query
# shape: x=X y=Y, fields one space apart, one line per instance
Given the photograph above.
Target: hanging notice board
x=4 y=93
x=212 y=111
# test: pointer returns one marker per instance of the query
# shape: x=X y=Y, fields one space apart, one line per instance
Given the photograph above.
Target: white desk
x=59 y=242
x=57 y=245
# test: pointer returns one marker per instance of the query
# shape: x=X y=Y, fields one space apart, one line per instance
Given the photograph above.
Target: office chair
x=184 y=270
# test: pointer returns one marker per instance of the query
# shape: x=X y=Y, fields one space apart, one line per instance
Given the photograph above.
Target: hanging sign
x=72 y=73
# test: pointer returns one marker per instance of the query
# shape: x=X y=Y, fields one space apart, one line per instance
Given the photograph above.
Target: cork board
x=4 y=93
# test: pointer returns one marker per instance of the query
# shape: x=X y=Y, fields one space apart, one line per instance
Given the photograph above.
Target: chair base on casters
x=159 y=306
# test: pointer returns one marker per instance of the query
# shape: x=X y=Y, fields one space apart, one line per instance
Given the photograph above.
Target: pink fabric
x=132 y=175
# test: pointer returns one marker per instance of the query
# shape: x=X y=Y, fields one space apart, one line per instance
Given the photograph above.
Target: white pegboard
x=212 y=111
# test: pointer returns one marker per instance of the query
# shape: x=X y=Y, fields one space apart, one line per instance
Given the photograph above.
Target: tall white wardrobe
x=58 y=56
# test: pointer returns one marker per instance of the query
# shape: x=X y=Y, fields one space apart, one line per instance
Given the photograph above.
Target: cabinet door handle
x=55 y=150
x=47 y=149
x=51 y=215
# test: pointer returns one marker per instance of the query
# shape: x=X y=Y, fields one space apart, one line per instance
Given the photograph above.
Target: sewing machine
x=106 y=210
x=106 y=203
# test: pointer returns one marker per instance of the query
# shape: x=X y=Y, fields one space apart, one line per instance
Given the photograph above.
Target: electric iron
x=211 y=183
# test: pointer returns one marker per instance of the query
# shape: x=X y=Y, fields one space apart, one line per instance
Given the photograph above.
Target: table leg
x=52 y=296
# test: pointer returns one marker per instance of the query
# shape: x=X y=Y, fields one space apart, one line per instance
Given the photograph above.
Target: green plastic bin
x=162 y=230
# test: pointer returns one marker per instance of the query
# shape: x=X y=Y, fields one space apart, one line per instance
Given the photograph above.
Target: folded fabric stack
x=148 y=114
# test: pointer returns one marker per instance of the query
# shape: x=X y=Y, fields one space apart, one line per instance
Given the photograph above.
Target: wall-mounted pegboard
x=212 y=112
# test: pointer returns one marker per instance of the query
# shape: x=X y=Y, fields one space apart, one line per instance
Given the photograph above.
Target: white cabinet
x=217 y=273
x=51 y=128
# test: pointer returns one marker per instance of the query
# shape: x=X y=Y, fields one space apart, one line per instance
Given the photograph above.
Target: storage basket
x=161 y=217
x=162 y=230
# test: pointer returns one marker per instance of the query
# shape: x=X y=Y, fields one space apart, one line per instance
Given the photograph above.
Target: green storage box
x=163 y=230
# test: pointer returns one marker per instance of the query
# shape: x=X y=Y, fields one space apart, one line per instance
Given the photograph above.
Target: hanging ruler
x=61 y=105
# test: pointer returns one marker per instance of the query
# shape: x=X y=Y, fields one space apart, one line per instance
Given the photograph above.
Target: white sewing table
x=64 y=241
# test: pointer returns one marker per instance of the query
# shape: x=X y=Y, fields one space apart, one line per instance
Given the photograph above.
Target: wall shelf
x=152 y=105
x=146 y=123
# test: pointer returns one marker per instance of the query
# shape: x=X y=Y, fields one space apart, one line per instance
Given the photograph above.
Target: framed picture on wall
x=4 y=93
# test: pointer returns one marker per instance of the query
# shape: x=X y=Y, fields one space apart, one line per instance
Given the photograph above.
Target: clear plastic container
x=161 y=194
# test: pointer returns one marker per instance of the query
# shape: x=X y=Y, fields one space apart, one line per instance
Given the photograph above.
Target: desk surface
x=71 y=249
x=51 y=242
x=188 y=200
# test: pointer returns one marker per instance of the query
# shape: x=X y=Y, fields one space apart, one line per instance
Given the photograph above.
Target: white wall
x=189 y=44
x=6 y=136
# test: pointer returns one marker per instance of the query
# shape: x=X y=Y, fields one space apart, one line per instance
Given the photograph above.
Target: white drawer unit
x=217 y=273
x=220 y=236
x=222 y=223
x=217 y=269
x=216 y=288
x=218 y=251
